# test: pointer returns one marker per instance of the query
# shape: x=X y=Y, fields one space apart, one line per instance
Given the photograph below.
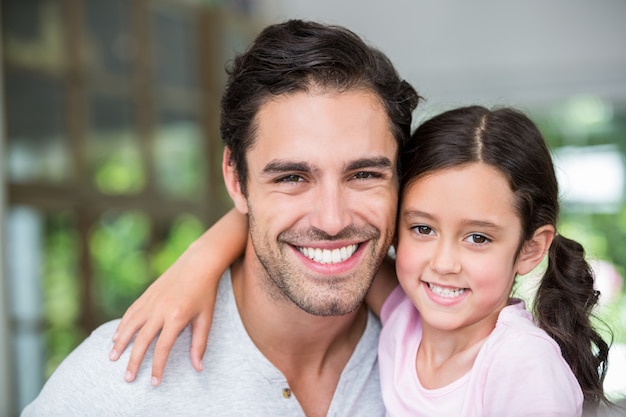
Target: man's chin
x=328 y=305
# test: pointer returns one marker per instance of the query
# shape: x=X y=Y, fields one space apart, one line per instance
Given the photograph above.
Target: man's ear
x=231 y=180
x=535 y=249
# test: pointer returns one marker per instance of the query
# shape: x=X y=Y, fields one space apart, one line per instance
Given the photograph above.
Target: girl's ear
x=233 y=186
x=535 y=249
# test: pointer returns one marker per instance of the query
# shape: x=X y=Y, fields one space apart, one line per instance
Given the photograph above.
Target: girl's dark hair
x=297 y=56
x=509 y=141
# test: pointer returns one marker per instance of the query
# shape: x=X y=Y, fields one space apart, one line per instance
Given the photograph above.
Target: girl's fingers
x=143 y=340
x=200 y=327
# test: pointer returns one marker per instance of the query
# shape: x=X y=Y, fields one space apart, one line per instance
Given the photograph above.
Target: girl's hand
x=184 y=294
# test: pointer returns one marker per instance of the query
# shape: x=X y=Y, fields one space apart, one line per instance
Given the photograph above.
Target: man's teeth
x=446 y=292
x=327 y=256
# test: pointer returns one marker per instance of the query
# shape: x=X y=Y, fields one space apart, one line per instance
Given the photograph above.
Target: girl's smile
x=444 y=294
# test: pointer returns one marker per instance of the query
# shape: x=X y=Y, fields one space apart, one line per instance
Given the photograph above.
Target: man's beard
x=287 y=279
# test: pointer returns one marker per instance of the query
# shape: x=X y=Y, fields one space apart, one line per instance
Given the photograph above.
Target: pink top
x=519 y=370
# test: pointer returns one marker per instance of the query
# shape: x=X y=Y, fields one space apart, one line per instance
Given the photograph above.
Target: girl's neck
x=444 y=356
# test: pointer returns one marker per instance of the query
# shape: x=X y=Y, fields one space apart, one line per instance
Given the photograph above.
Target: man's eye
x=291 y=178
x=364 y=175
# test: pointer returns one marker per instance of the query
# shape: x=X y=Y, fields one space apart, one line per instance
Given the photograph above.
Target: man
x=312 y=120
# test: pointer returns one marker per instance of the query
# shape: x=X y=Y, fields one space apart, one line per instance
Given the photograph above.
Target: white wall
x=508 y=52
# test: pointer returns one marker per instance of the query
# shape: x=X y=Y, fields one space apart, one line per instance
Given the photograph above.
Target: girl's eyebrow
x=416 y=213
x=482 y=224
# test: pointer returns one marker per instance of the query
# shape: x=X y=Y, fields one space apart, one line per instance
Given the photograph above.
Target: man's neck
x=311 y=351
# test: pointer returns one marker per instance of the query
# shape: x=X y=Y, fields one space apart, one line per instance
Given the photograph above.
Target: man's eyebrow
x=278 y=166
x=379 y=162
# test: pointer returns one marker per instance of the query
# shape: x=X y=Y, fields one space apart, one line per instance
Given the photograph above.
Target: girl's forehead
x=478 y=171
x=469 y=187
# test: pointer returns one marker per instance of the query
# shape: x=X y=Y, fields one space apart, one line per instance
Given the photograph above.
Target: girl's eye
x=478 y=238
x=423 y=230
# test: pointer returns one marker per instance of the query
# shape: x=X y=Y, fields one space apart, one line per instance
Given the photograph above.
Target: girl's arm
x=384 y=282
x=184 y=294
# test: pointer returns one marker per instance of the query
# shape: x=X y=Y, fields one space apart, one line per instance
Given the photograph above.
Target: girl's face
x=458 y=238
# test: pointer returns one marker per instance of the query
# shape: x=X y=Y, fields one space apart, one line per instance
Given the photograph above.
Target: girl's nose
x=445 y=259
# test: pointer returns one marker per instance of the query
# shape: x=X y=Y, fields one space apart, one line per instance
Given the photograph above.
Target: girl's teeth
x=327 y=256
x=446 y=292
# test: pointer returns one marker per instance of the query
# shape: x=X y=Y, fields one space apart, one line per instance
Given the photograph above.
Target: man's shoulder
x=88 y=370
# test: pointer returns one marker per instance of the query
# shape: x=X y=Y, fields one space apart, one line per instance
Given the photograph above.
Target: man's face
x=322 y=196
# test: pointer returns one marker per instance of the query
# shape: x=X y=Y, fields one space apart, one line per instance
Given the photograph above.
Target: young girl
x=479 y=206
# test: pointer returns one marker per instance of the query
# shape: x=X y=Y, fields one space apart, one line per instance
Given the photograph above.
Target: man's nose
x=330 y=210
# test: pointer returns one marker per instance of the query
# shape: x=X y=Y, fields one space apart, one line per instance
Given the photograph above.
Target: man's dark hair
x=298 y=56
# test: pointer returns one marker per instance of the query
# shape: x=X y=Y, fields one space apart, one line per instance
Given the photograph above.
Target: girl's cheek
x=404 y=268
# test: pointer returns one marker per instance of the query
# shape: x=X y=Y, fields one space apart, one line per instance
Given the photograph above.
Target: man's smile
x=329 y=256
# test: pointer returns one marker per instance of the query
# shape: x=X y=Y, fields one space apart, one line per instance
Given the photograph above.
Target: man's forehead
x=321 y=114
x=271 y=103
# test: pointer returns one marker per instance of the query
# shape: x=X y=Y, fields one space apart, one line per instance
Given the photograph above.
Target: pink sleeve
x=392 y=301
x=531 y=380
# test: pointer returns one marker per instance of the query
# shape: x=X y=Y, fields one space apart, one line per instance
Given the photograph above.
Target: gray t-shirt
x=237 y=380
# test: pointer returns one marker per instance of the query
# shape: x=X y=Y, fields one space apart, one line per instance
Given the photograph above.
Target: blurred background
x=110 y=147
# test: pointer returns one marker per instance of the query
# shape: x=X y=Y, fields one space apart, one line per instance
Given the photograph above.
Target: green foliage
x=123 y=267
x=604 y=238
x=179 y=160
x=117 y=166
x=184 y=230
x=60 y=285
x=60 y=341
x=118 y=250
